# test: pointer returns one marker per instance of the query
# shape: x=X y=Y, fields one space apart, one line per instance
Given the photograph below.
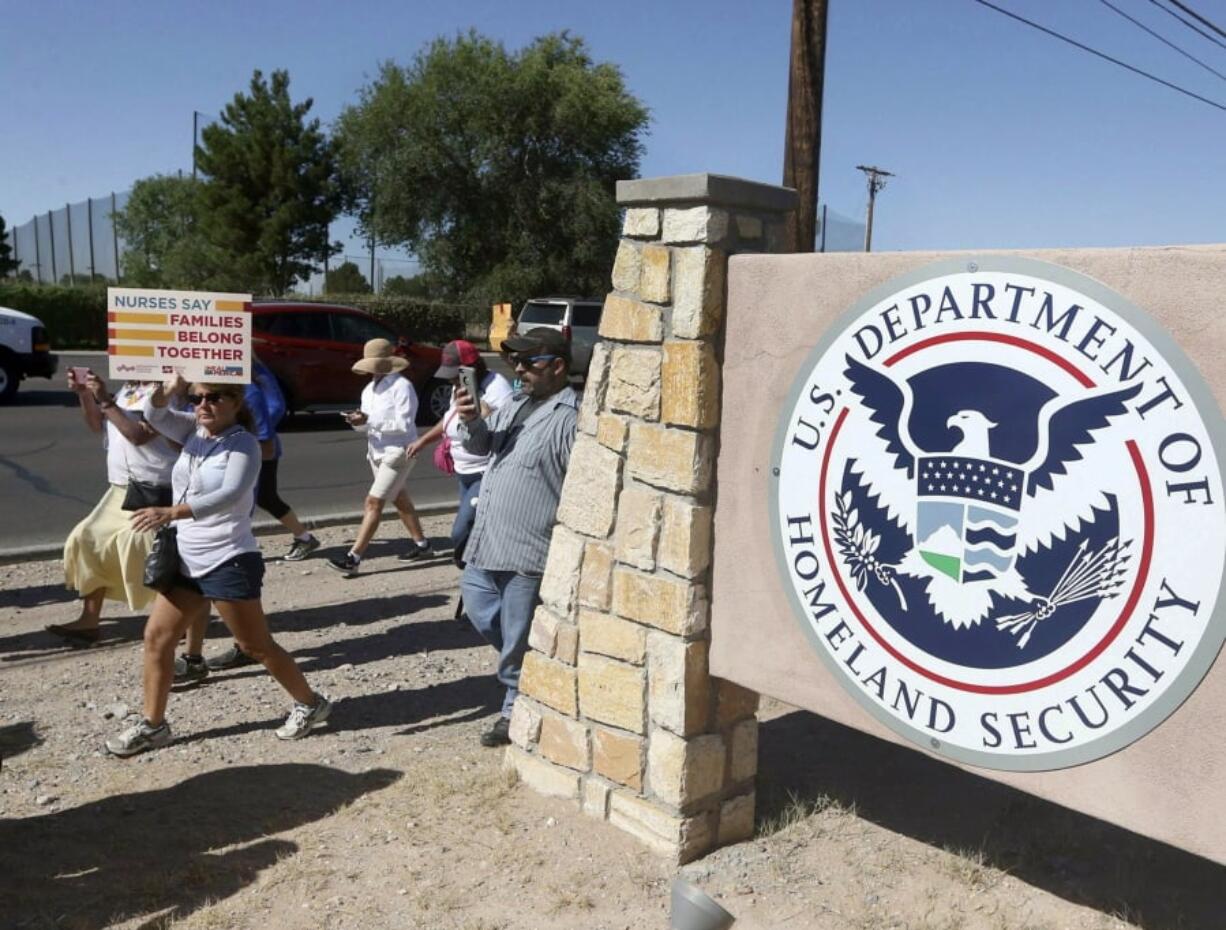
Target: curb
x=263 y=527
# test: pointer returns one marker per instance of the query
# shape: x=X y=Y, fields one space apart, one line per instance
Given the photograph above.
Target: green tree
x=164 y=245
x=419 y=285
x=270 y=189
x=497 y=169
x=346 y=278
x=8 y=264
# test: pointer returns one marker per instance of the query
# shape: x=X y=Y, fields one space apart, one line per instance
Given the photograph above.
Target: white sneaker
x=304 y=716
x=138 y=738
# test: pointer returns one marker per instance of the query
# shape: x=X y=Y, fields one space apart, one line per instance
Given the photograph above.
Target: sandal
x=84 y=637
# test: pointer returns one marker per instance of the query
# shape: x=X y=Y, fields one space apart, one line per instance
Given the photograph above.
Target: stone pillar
x=617 y=708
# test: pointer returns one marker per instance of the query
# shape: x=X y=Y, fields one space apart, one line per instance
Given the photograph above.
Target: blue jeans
x=500 y=605
x=470 y=487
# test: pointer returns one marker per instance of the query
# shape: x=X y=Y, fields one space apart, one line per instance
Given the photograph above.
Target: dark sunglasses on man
x=529 y=361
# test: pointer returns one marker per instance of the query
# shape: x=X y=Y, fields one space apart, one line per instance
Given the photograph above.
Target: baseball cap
x=541 y=340
x=456 y=353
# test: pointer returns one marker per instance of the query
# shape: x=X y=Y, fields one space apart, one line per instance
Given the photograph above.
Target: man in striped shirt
x=529 y=440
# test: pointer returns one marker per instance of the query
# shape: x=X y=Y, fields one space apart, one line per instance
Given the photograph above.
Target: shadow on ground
x=807 y=760
x=16 y=738
x=166 y=850
x=37 y=595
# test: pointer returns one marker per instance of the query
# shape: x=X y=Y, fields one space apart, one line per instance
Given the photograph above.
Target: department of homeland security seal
x=999 y=512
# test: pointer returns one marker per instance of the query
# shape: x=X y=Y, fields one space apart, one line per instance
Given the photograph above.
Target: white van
x=25 y=351
x=577 y=318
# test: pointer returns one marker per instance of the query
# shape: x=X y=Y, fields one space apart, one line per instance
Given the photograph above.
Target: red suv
x=311 y=349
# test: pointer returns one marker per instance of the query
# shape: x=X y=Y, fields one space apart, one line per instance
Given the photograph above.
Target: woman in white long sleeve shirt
x=214 y=484
x=388 y=418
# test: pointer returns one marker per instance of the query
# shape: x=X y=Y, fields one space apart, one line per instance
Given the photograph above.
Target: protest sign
x=152 y=334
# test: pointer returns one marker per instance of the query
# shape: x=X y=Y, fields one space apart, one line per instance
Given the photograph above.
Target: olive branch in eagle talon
x=1088 y=575
x=858 y=546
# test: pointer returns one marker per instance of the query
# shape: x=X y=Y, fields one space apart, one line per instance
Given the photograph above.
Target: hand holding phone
x=468 y=381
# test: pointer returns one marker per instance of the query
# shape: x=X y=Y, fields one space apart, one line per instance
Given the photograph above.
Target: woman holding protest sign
x=104 y=555
x=218 y=560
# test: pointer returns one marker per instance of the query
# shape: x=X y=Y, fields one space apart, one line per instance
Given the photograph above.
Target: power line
x=1103 y=55
x=1191 y=12
x=1195 y=28
x=1162 y=39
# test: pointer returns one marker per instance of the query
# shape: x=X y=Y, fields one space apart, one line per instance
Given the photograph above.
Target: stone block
x=743 y=751
x=748 y=227
x=678 y=684
x=618 y=757
x=594 y=389
x=551 y=683
x=606 y=635
x=674 y=459
x=654 y=277
x=685 y=538
x=627 y=267
x=660 y=601
x=689 y=385
x=561 y=578
x=541 y=776
x=525 y=723
x=596 y=582
x=777 y=236
x=543 y=636
x=612 y=692
x=628 y=320
x=589 y=496
x=733 y=703
x=634 y=383
x=685 y=772
x=678 y=838
x=567 y=643
x=698 y=291
x=642 y=223
x=595 y=799
x=611 y=431
x=638 y=527
x=565 y=742
x=736 y=819
x=695 y=224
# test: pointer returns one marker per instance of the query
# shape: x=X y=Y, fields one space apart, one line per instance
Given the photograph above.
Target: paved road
x=53 y=469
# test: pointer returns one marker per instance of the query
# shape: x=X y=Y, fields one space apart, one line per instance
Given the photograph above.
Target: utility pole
x=803 y=141
x=876 y=181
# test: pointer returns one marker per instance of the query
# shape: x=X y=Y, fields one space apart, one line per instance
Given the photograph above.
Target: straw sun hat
x=377 y=359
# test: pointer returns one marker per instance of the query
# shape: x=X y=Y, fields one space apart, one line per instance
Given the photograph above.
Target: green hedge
x=75 y=317
x=420 y=320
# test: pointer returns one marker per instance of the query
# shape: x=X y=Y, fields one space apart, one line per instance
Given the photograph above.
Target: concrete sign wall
x=977 y=508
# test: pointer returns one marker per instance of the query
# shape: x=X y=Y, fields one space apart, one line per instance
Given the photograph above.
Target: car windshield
x=539 y=312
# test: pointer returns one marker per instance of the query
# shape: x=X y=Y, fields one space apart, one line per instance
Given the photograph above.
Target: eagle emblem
x=973 y=517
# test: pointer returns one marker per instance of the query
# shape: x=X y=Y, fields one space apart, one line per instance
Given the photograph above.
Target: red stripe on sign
x=110 y=334
x=110 y=317
x=112 y=350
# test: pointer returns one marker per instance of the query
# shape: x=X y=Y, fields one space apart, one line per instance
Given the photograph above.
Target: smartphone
x=79 y=374
x=468 y=380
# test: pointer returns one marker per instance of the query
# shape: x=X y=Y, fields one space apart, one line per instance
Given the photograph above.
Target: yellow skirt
x=103 y=551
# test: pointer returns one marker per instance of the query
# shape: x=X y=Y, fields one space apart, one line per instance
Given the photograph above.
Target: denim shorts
x=236 y=579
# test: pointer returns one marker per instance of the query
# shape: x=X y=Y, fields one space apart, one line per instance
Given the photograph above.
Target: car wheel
x=10 y=377
x=435 y=402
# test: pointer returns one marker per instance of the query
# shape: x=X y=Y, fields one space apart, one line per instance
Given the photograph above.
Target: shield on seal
x=967 y=514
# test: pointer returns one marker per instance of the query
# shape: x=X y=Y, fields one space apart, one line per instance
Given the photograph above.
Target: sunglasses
x=212 y=397
x=527 y=361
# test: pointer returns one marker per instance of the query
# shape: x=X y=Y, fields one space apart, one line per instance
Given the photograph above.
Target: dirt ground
x=394 y=817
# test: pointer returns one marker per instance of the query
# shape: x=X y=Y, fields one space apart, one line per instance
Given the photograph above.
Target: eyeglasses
x=528 y=361
x=212 y=397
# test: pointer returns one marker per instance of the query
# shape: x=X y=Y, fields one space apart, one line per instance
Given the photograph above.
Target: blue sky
x=1000 y=137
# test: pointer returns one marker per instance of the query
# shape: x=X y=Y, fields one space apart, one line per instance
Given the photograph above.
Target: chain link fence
x=76 y=244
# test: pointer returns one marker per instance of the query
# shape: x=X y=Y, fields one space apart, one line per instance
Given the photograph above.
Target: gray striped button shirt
x=522 y=485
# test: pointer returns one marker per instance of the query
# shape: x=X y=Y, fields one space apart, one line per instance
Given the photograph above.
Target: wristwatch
x=106 y=404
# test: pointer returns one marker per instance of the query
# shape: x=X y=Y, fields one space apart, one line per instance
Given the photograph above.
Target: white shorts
x=390 y=472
